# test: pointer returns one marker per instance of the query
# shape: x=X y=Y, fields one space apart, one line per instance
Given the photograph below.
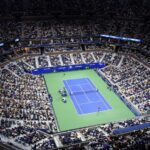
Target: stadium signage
x=67 y=68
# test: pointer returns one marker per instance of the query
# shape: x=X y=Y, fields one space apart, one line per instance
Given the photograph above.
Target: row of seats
x=25 y=98
x=100 y=137
x=132 y=80
x=27 y=116
x=48 y=29
x=44 y=61
x=130 y=76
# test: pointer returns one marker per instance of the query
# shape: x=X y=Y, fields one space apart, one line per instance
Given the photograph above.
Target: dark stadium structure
x=46 y=45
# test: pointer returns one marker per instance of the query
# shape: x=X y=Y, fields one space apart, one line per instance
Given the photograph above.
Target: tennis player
x=98 y=109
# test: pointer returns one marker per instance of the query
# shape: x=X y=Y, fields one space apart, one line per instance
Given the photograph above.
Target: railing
x=67 y=68
x=132 y=128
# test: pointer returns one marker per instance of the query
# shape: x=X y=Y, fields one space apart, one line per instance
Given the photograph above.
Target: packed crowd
x=100 y=137
x=129 y=75
x=97 y=139
x=66 y=58
x=70 y=32
x=132 y=80
x=27 y=117
x=25 y=98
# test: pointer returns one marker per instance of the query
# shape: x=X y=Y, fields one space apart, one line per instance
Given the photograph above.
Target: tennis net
x=83 y=91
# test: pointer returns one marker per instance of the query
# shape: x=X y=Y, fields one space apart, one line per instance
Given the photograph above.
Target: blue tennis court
x=85 y=96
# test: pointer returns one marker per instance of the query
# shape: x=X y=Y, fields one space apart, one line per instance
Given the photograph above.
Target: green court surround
x=66 y=114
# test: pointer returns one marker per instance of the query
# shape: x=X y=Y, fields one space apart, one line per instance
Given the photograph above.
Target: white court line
x=77 y=79
x=105 y=103
x=85 y=94
x=88 y=83
x=91 y=84
x=65 y=81
x=87 y=79
x=80 y=84
x=95 y=112
x=75 y=98
x=73 y=90
x=89 y=102
x=78 y=104
x=82 y=90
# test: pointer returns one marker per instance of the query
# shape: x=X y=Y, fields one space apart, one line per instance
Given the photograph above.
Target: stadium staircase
x=27 y=64
x=102 y=57
x=36 y=62
x=57 y=141
x=119 y=64
x=49 y=62
x=112 y=57
x=101 y=130
x=6 y=67
x=82 y=57
x=72 y=60
x=61 y=61
x=81 y=136
x=93 y=57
